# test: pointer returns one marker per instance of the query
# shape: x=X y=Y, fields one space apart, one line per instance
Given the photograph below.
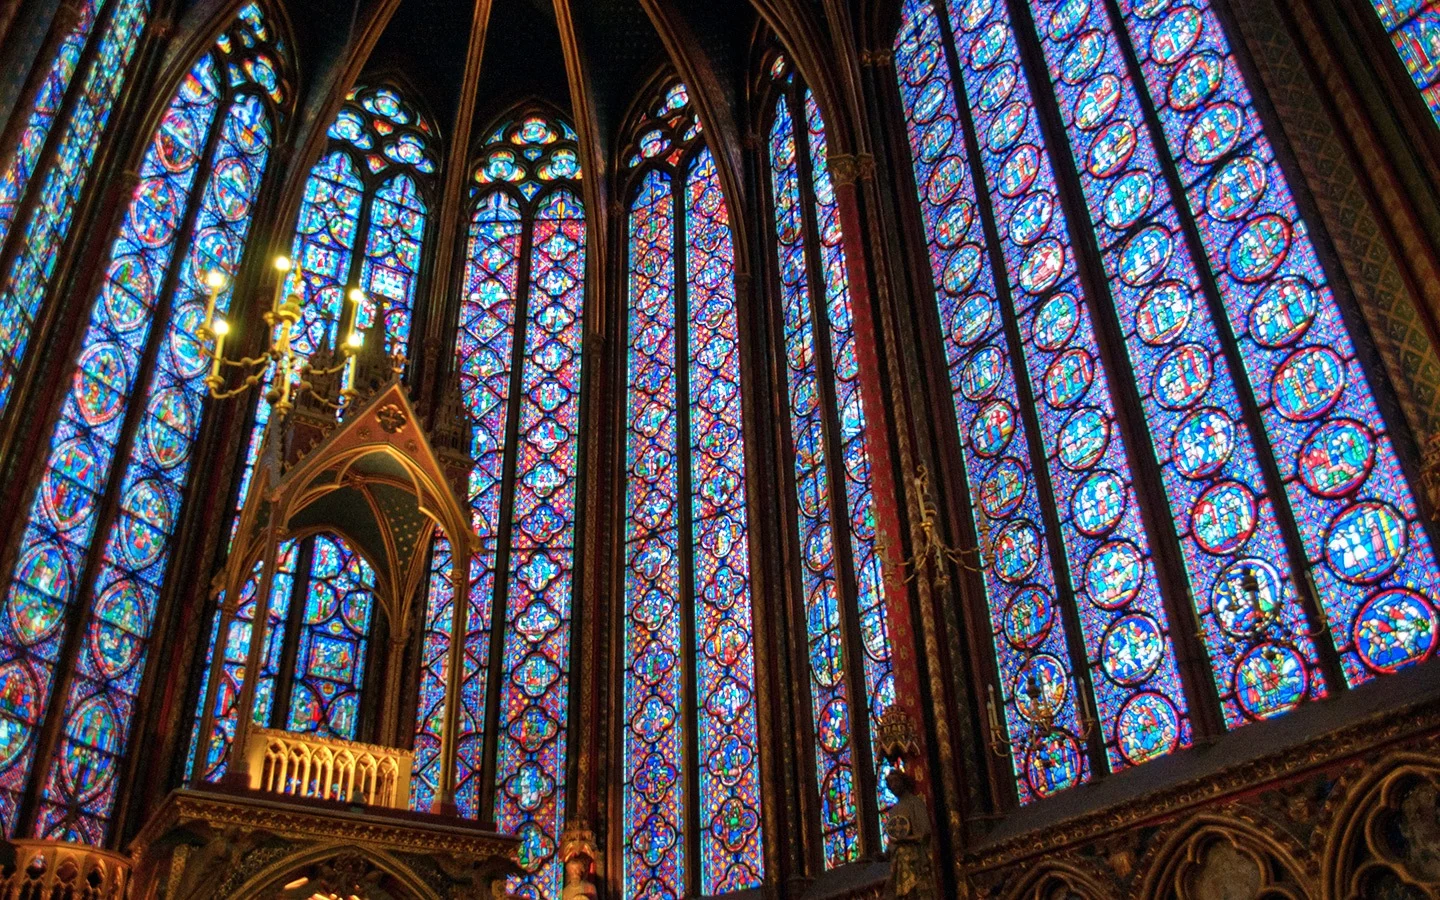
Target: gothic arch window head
x=1250 y=437
x=519 y=352
x=840 y=576
x=190 y=216
x=44 y=173
x=691 y=816
x=362 y=224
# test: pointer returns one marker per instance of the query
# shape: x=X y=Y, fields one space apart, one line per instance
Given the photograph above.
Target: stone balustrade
x=305 y=765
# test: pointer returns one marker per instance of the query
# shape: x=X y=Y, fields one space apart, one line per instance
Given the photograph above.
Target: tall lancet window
x=851 y=676
x=1414 y=29
x=189 y=217
x=362 y=224
x=1191 y=394
x=519 y=352
x=44 y=169
x=691 y=794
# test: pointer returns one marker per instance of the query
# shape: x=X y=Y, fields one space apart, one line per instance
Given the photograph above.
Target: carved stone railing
x=304 y=765
x=46 y=869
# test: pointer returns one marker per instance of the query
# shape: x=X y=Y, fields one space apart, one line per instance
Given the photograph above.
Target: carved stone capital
x=847 y=168
x=882 y=58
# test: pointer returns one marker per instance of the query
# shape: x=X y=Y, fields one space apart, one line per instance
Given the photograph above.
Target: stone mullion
x=1229 y=351
x=966 y=772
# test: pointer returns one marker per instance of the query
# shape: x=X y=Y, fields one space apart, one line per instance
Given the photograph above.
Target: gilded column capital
x=847 y=168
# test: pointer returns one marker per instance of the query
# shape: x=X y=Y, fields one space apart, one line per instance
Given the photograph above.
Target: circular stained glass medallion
x=961 y=270
x=1098 y=503
x=1083 y=439
x=1223 y=517
x=1083 y=57
x=1112 y=149
x=1055 y=321
x=1016 y=551
x=1007 y=126
x=1028 y=618
x=987 y=46
x=1366 y=542
x=1128 y=199
x=1145 y=256
x=945 y=180
x=997 y=87
x=1183 y=376
x=1067 y=17
x=1131 y=649
x=1195 y=80
x=1336 y=458
x=68 y=490
x=1202 y=443
x=1236 y=189
x=100 y=383
x=992 y=428
x=1113 y=574
x=1040 y=688
x=1148 y=727
x=1243 y=592
x=115 y=642
x=92 y=738
x=1053 y=764
x=1031 y=218
x=1164 y=313
x=169 y=427
x=1394 y=629
x=1308 y=383
x=1003 y=489
x=1019 y=171
x=972 y=319
x=1042 y=267
x=1214 y=133
x=982 y=372
x=232 y=188
x=1269 y=680
x=40 y=593
x=1283 y=313
x=955 y=224
x=127 y=290
x=1097 y=102
x=1259 y=248
x=935 y=140
x=145 y=523
x=1069 y=378
x=1175 y=36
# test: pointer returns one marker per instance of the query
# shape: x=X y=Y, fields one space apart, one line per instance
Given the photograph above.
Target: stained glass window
x=840 y=566
x=519 y=353
x=190 y=215
x=688 y=629
x=1278 y=484
x=1414 y=28
x=44 y=178
x=361 y=224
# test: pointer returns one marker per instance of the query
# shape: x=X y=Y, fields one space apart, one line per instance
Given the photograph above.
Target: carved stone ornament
x=46 y=869
x=907 y=828
x=896 y=737
x=578 y=852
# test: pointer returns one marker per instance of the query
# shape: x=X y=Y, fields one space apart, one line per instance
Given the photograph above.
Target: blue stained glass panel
x=1357 y=517
x=731 y=839
x=829 y=690
x=1218 y=500
x=1414 y=28
x=1131 y=658
x=652 y=804
x=24 y=286
x=62 y=520
x=1036 y=683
